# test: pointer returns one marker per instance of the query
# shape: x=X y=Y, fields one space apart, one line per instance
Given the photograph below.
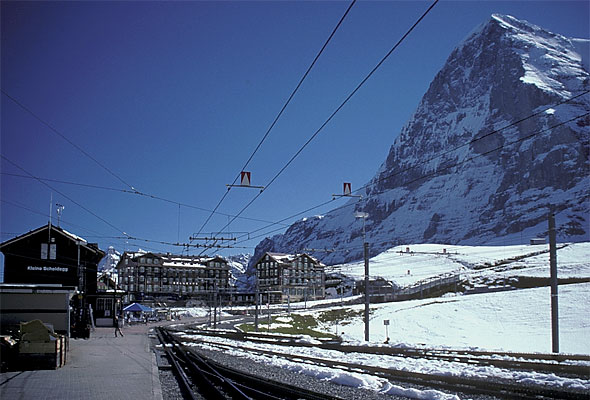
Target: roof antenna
x=60 y=209
x=50 y=211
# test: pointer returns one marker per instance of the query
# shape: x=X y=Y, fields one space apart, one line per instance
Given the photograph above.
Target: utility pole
x=347 y=192
x=553 y=268
x=268 y=308
x=367 y=294
x=214 y=306
x=364 y=216
x=256 y=301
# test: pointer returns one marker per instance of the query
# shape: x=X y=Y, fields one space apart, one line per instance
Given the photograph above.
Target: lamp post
x=364 y=216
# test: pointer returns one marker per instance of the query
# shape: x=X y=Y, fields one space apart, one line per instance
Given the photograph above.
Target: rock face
x=239 y=275
x=501 y=135
x=110 y=260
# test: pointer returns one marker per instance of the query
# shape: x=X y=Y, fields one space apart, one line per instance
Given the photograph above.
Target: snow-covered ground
x=510 y=320
x=429 y=260
x=516 y=320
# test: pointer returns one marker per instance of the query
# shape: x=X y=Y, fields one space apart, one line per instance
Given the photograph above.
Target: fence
x=429 y=287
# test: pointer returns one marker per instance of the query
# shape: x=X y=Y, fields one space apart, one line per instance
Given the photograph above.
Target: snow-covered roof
x=287 y=258
x=69 y=235
x=75 y=237
x=183 y=264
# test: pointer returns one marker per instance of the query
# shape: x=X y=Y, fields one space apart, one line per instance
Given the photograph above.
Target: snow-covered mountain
x=501 y=135
x=239 y=276
x=110 y=260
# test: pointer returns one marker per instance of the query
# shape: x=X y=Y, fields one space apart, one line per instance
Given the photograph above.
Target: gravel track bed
x=171 y=391
x=291 y=378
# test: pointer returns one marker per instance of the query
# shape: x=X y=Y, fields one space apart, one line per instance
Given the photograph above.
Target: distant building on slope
x=156 y=277
x=286 y=277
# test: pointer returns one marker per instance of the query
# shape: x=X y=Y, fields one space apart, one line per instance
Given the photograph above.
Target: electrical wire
x=471 y=142
x=64 y=195
x=280 y=112
x=64 y=137
x=317 y=132
x=441 y=170
x=134 y=192
x=14 y=204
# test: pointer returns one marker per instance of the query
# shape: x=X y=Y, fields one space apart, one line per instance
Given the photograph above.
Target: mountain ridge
x=496 y=141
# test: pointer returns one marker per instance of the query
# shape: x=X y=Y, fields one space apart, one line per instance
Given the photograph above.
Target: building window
x=104 y=304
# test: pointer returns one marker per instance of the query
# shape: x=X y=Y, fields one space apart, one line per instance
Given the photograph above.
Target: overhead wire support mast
x=347 y=192
x=212 y=238
x=245 y=182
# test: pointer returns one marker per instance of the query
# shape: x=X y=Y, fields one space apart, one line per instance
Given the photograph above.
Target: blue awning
x=138 y=307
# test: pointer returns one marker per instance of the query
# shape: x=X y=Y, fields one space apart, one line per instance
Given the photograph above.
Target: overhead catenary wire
x=64 y=137
x=66 y=196
x=132 y=192
x=333 y=114
x=127 y=237
x=272 y=125
x=63 y=221
x=470 y=142
x=432 y=173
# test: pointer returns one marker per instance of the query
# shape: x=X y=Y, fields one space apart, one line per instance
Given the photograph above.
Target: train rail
x=200 y=377
x=569 y=366
x=574 y=365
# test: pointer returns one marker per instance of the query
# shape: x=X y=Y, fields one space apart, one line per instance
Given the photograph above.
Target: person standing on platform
x=118 y=326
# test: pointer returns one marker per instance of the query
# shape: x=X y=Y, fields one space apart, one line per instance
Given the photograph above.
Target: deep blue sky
x=174 y=96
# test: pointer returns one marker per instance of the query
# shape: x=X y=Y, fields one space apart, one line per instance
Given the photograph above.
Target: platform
x=102 y=367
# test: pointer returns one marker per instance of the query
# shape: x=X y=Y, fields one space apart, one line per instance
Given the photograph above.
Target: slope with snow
x=518 y=321
x=471 y=263
x=510 y=320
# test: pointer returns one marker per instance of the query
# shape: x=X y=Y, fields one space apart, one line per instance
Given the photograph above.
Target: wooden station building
x=50 y=255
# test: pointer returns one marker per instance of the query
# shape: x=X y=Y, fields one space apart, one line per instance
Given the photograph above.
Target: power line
x=64 y=137
x=280 y=112
x=449 y=151
x=14 y=204
x=127 y=237
x=434 y=173
x=336 y=111
x=476 y=139
x=134 y=192
x=66 y=196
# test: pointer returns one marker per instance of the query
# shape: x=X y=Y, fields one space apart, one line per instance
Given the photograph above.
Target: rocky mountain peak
x=500 y=136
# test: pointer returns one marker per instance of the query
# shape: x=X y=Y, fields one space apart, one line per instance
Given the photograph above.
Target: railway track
x=202 y=378
x=574 y=367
